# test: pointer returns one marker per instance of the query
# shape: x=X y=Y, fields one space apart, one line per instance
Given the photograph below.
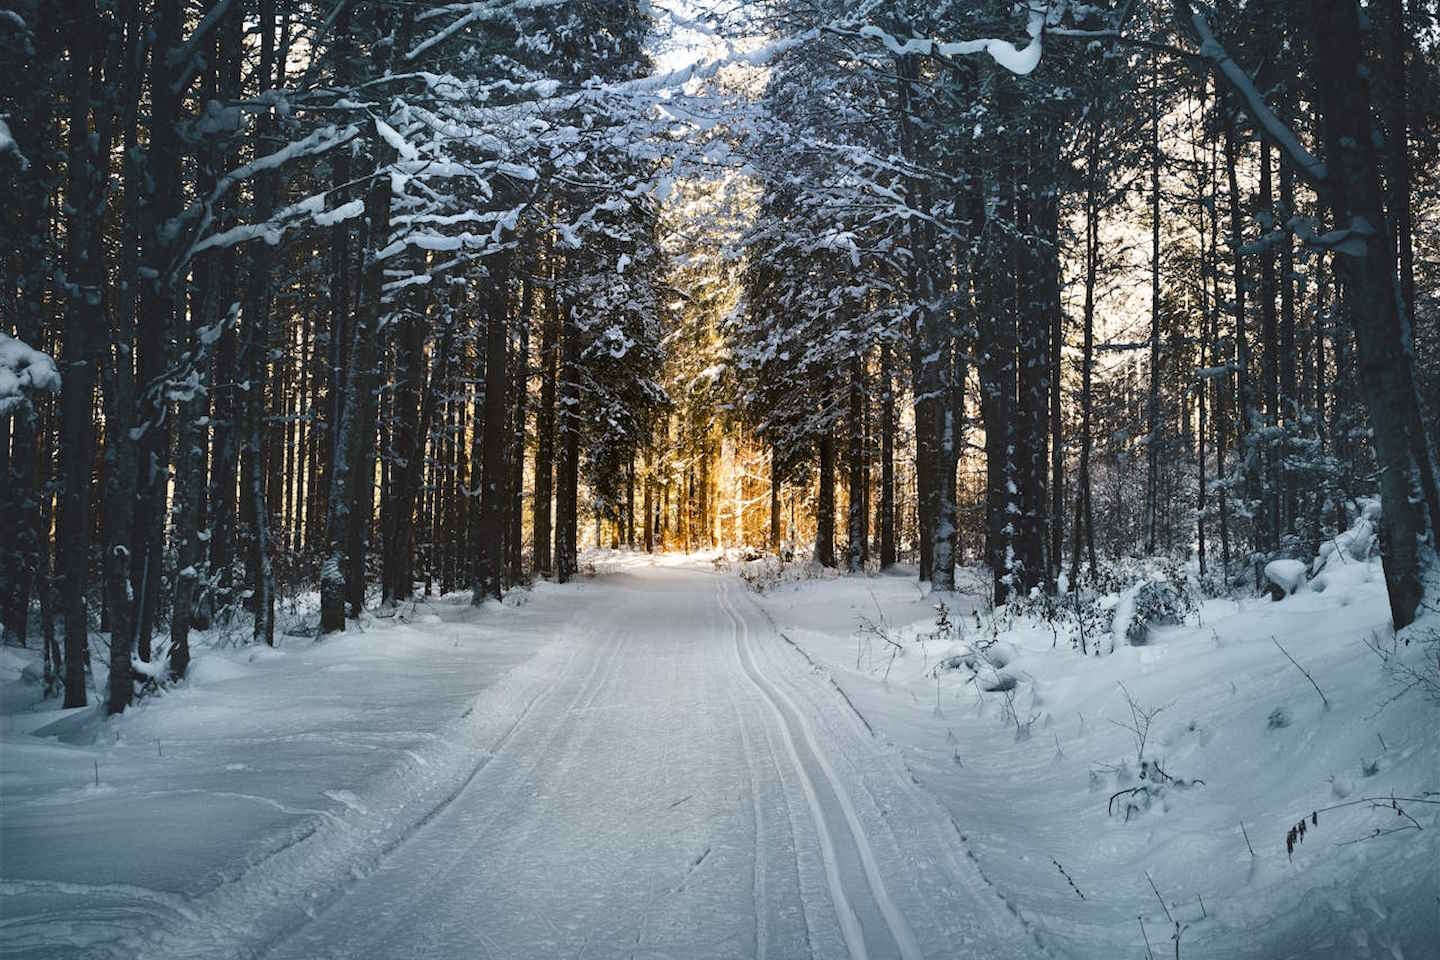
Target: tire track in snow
x=867 y=890
x=273 y=900
x=602 y=671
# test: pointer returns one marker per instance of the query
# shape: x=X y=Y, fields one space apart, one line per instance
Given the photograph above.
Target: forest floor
x=660 y=762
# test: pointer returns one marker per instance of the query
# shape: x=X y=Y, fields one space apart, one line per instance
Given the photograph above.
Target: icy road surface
x=678 y=782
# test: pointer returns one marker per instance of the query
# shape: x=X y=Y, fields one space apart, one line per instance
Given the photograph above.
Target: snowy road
x=685 y=785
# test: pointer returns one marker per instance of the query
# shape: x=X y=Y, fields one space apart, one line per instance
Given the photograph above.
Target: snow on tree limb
x=1021 y=61
x=474 y=13
x=23 y=371
x=8 y=145
x=1307 y=164
x=321 y=141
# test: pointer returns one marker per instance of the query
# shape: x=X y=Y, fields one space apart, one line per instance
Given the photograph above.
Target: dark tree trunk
x=489 y=578
x=1289 y=390
x=83 y=316
x=1248 y=426
x=855 y=426
x=887 y=464
x=520 y=376
x=1270 y=369
x=1152 y=429
x=545 y=434
x=1386 y=360
x=1084 y=532
x=775 y=533
x=160 y=202
x=567 y=481
x=825 y=507
x=924 y=370
x=649 y=504
x=255 y=364
x=34 y=128
x=410 y=443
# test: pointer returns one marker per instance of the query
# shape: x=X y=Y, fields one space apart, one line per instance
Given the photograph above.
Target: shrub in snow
x=1126 y=600
x=1153 y=603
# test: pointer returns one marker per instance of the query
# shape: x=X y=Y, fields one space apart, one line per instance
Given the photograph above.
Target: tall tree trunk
x=83 y=316
x=1152 y=442
x=520 y=390
x=1289 y=390
x=400 y=539
x=1377 y=311
x=1270 y=369
x=775 y=534
x=406 y=456
x=1248 y=425
x=854 y=561
x=545 y=429
x=36 y=134
x=650 y=495
x=159 y=205
x=490 y=551
x=887 y=464
x=255 y=363
x=121 y=448
x=923 y=366
x=825 y=506
x=567 y=480
x=1084 y=532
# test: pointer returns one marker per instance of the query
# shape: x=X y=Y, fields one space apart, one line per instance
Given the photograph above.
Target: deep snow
x=1032 y=796
x=661 y=762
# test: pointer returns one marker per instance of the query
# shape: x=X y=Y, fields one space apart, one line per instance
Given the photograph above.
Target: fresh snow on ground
x=1031 y=797
x=660 y=760
x=114 y=827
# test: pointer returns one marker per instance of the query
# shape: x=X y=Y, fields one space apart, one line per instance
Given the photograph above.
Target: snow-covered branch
x=23 y=371
x=1306 y=163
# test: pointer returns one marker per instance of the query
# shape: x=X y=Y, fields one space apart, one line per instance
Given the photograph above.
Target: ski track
x=672 y=780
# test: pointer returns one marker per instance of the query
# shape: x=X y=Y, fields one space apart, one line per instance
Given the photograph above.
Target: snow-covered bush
x=1154 y=603
x=1122 y=602
x=762 y=571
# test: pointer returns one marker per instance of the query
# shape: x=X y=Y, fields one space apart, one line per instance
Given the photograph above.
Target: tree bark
x=489 y=579
x=83 y=317
x=545 y=431
x=887 y=463
x=825 y=506
x=854 y=560
x=1382 y=341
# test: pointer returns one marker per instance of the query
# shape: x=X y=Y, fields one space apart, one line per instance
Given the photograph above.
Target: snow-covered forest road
x=684 y=785
x=640 y=765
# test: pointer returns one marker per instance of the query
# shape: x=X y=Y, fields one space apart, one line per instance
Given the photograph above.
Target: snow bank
x=1045 y=777
x=232 y=802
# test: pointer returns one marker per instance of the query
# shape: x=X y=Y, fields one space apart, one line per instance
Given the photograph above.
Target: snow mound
x=1359 y=543
x=214 y=668
x=1287 y=576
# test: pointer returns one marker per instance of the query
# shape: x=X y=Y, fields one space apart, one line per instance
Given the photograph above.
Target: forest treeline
x=375 y=296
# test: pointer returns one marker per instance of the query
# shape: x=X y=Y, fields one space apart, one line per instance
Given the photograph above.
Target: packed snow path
x=681 y=783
